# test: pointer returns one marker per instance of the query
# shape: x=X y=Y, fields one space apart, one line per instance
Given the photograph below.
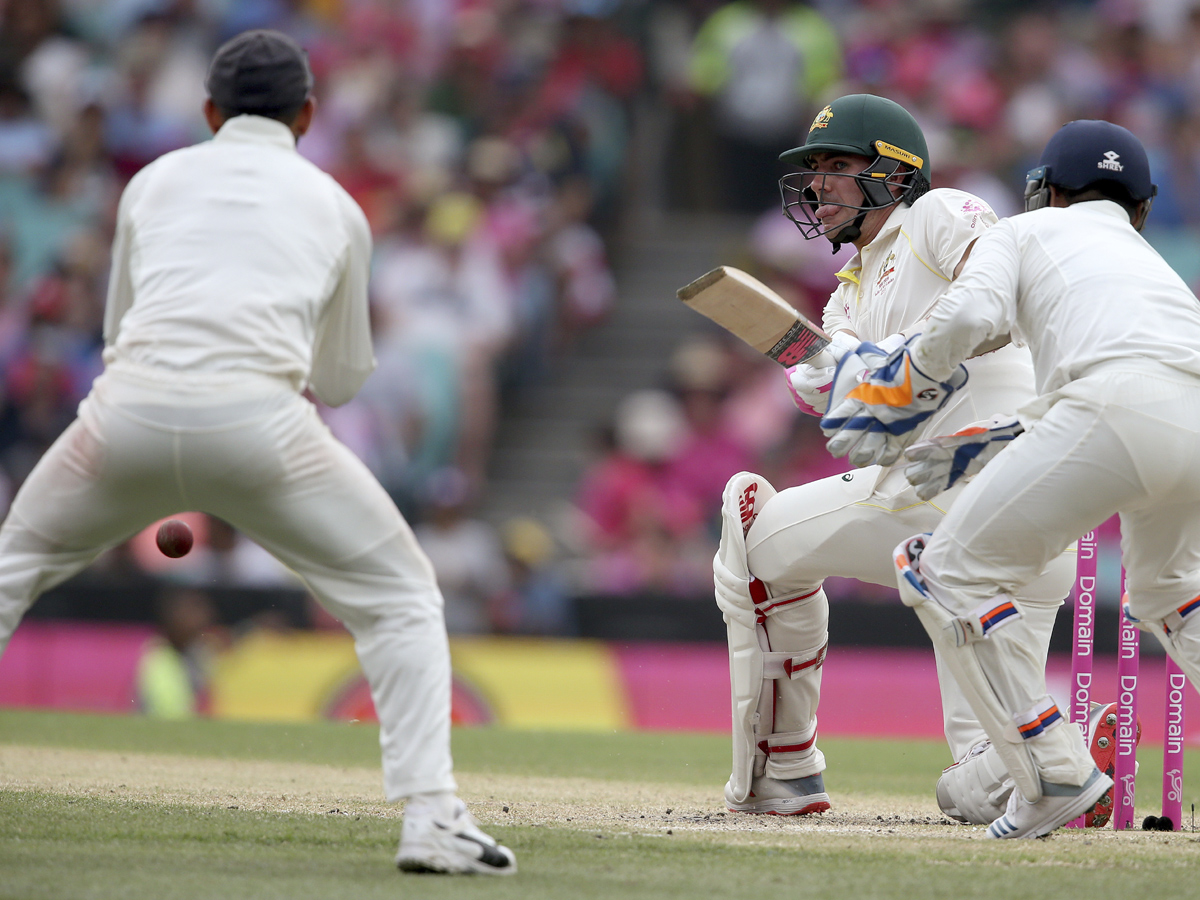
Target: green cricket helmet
x=860 y=125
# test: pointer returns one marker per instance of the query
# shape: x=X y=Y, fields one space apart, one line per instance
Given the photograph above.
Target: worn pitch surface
x=220 y=810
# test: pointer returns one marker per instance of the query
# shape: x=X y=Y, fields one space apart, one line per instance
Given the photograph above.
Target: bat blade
x=747 y=308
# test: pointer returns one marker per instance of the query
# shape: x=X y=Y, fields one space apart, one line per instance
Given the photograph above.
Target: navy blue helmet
x=1086 y=153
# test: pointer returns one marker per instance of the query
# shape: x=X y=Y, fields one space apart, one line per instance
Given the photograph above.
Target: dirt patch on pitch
x=606 y=807
x=582 y=803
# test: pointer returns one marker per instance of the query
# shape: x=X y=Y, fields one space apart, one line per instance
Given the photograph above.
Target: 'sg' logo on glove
x=928 y=394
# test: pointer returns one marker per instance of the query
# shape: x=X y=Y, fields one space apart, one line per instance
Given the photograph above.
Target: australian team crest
x=822 y=119
x=887 y=273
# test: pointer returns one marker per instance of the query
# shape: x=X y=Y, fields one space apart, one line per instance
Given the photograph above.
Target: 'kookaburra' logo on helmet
x=1110 y=162
x=822 y=119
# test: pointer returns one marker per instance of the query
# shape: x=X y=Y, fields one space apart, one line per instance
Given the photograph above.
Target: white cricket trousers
x=251 y=451
x=848 y=525
x=1124 y=439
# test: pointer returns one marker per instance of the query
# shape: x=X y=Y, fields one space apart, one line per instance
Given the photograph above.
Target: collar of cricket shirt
x=256 y=130
x=1102 y=208
x=890 y=226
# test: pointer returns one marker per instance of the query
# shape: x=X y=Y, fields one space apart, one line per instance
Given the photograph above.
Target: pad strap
x=1173 y=622
x=783 y=745
x=765 y=605
x=1038 y=718
x=790 y=665
x=984 y=619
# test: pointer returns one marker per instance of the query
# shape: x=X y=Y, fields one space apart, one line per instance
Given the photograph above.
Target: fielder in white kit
x=1115 y=337
x=239 y=279
x=864 y=181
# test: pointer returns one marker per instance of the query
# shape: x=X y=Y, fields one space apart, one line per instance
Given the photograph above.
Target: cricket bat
x=744 y=306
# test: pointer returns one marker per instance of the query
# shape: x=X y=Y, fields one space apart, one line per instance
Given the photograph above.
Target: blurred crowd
x=988 y=80
x=738 y=83
x=492 y=144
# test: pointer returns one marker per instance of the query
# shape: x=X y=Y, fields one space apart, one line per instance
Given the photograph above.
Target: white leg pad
x=754 y=669
x=743 y=498
x=1179 y=634
x=975 y=789
x=954 y=636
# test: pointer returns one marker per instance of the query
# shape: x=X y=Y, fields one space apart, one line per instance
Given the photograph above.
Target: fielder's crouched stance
x=1115 y=337
x=864 y=180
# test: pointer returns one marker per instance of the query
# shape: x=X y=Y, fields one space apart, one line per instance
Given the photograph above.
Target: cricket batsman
x=239 y=280
x=1114 y=428
x=864 y=180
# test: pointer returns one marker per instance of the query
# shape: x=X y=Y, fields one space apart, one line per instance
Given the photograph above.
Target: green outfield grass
x=55 y=845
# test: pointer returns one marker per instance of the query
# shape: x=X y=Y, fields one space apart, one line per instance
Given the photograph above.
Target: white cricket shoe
x=774 y=797
x=975 y=790
x=1060 y=804
x=453 y=847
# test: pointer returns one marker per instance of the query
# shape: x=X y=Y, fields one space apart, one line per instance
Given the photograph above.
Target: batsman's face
x=834 y=188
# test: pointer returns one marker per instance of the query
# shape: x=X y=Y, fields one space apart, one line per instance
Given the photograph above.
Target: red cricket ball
x=174 y=538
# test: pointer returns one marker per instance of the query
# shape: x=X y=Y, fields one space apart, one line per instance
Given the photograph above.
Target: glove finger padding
x=940 y=462
x=865 y=448
x=878 y=401
x=928 y=478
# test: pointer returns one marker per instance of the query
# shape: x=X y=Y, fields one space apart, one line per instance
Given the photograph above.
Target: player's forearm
x=978 y=310
x=947 y=341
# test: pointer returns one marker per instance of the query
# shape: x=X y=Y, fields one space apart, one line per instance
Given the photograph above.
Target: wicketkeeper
x=1115 y=338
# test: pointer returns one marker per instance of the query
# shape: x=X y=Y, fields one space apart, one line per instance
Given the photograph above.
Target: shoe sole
x=813 y=803
x=1003 y=828
x=439 y=862
x=439 y=865
x=1105 y=760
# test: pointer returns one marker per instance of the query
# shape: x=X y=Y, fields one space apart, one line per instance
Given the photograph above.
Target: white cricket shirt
x=240 y=256
x=893 y=284
x=1079 y=286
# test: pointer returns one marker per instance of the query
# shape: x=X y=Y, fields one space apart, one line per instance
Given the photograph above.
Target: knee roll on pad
x=736 y=591
x=976 y=625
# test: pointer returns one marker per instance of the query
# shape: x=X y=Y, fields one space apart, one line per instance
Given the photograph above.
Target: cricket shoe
x=975 y=790
x=453 y=847
x=775 y=797
x=1102 y=743
x=1060 y=804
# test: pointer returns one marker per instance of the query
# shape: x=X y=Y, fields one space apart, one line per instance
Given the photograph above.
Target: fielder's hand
x=878 y=400
x=940 y=462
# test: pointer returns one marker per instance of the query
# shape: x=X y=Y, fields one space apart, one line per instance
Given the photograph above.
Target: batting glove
x=809 y=383
x=939 y=463
x=878 y=400
x=809 y=387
